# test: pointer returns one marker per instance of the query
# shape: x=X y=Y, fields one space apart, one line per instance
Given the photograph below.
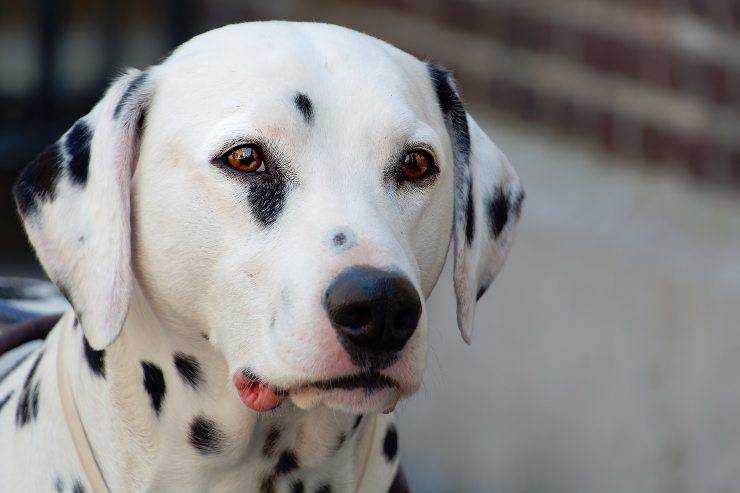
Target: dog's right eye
x=246 y=158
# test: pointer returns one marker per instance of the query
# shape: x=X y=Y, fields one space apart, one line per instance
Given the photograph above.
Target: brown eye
x=416 y=164
x=246 y=158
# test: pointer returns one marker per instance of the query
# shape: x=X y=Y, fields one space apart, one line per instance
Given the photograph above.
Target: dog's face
x=292 y=189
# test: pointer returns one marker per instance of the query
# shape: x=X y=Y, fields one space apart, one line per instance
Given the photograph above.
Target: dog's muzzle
x=374 y=313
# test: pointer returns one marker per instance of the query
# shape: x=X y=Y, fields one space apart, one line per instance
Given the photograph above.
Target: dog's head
x=288 y=189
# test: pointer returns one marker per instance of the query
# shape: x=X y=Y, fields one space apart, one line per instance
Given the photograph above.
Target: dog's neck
x=161 y=414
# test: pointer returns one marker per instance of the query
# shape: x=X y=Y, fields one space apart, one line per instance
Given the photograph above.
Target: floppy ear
x=487 y=203
x=74 y=200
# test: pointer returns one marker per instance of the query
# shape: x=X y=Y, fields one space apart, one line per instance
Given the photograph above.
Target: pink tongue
x=255 y=394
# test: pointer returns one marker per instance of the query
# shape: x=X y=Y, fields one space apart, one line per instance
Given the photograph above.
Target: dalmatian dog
x=247 y=233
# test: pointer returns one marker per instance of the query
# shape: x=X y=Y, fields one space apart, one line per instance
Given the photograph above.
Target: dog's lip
x=368 y=380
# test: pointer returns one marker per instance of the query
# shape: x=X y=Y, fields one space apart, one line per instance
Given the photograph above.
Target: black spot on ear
x=453 y=110
x=59 y=484
x=470 y=216
x=481 y=292
x=286 y=462
x=77 y=486
x=305 y=106
x=189 y=369
x=38 y=180
x=267 y=192
x=498 y=211
x=5 y=399
x=297 y=487
x=324 y=488
x=390 y=443
x=268 y=449
x=77 y=145
x=205 y=436
x=130 y=91
x=28 y=400
x=357 y=422
x=154 y=384
x=95 y=359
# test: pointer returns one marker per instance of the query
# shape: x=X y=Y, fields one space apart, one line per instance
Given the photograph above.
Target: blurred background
x=606 y=357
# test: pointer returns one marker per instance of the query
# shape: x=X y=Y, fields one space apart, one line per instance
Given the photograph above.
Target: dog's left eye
x=417 y=165
x=246 y=158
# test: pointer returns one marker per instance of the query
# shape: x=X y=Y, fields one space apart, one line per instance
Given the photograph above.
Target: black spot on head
x=286 y=462
x=77 y=145
x=390 y=443
x=28 y=400
x=205 y=336
x=205 y=435
x=38 y=180
x=189 y=369
x=324 y=488
x=297 y=487
x=95 y=359
x=340 y=441
x=268 y=449
x=5 y=399
x=130 y=91
x=77 y=486
x=268 y=484
x=59 y=484
x=154 y=384
x=357 y=422
x=498 y=211
x=305 y=106
x=470 y=216
x=266 y=195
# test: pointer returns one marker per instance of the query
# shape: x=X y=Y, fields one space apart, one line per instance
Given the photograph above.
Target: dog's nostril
x=373 y=311
x=340 y=239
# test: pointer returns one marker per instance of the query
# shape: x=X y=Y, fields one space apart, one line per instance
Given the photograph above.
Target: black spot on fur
x=95 y=359
x=132 y=88
x=470 y=216
x=5 y=399
x=452 y=108
x=324 y=488
x=59 y=484
x=268 y=449
x=357 y=422
x=297 y=487
x=154 y=384
x=77 y=145
x=77 y=486
x=390 y=443
x=481 y=292
x=268 y=484
x=28 y=400
x=205 y=336
x=340 y=441
x=189 y=369
x=498 y=211
x=340 y=239
x=305 y=106
x=516 y=207
x=286 y=462
x=205 y=435
x=267 y=192
x=38 y=180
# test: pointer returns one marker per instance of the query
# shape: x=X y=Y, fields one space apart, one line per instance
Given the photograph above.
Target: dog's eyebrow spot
x=77 y=145
x=390 y=443
x=154 y=385
x=28 y=400
x=286 y=462
x=95 y=359
x=38 y=180
x=304 y=105
x=188 y=368
x=268 y=449
x=5 y=399
x=205 y=435
x=297 y=487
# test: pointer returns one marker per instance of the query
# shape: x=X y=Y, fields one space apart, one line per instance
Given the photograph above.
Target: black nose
x=373 y=311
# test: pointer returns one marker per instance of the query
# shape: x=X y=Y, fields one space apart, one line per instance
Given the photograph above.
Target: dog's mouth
x=261 y=396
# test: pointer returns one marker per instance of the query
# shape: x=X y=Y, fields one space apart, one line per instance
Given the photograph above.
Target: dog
x=247 y=233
